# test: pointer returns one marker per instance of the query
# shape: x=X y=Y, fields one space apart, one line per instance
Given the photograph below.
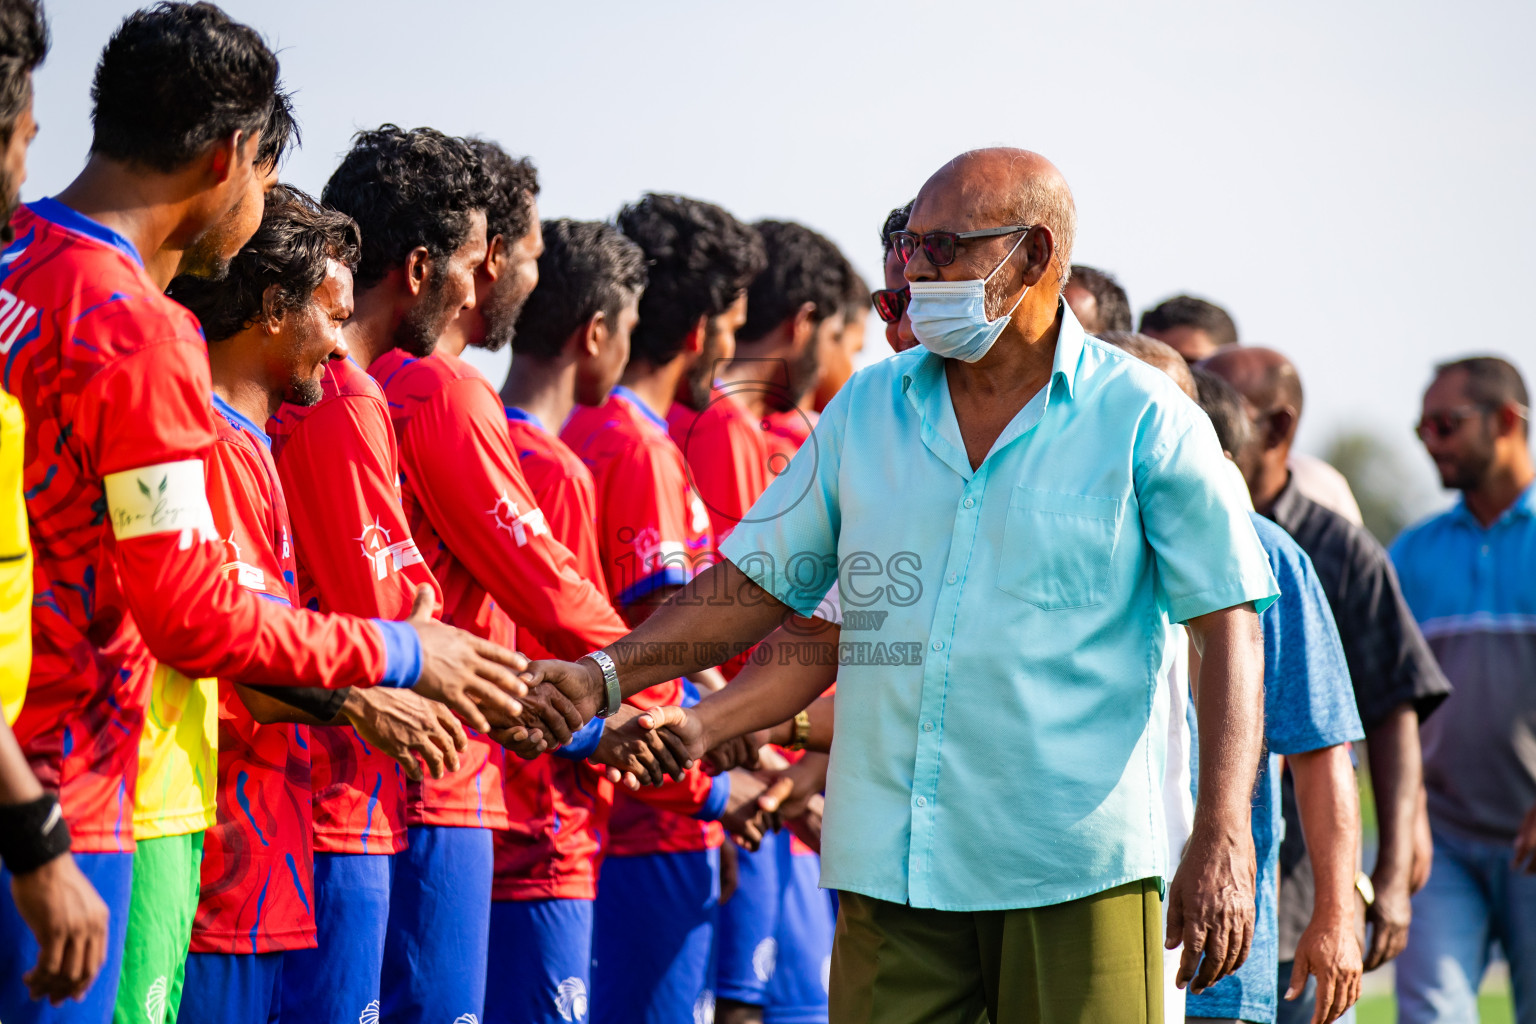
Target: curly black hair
x=700 y=257
x=1114 y=305
x=514 y=187
x=1188 y=311
x=404 y=189
x=587 y=268
x=803 y=266
x=290 y=249
x=23 y=45
x=175 y=77
x=896 y=220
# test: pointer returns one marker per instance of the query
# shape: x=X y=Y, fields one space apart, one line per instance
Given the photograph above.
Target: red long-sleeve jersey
x=652 y=533
x=113 y=379
x=489 y=545
x=258 y=885
x=339 y=464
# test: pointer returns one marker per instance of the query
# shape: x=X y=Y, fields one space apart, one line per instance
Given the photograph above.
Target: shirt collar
x=635 y=400
x=236 y=417
x=523 y=416
x=1524 y=505
x=1289 y=506
x=928 y=368
x=72 y=220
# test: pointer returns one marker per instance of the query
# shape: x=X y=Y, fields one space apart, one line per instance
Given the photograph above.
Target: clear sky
x=1352 y=181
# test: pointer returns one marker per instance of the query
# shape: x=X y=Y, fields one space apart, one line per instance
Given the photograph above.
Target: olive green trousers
x=1095 y=960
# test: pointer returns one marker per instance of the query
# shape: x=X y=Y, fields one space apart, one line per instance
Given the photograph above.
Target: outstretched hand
x=562 y=697
x=473 y=677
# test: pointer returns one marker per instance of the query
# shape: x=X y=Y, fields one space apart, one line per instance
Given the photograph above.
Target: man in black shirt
x=1396 y=679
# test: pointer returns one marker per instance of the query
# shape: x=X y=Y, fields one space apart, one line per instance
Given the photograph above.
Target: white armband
x=167 y=498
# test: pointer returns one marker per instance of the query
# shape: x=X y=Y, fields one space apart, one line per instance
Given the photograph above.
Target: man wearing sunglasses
x=1397 y=683
x=1468 y=576
x=1018 y=511
x=890 y=302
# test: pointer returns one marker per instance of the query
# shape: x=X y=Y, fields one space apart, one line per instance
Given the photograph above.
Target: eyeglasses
x=890 y=303
x=1441 y=425
x=939 y=246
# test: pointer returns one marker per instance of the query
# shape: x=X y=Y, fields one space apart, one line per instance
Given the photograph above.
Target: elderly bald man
x=1396 y=679
x=1013 y=513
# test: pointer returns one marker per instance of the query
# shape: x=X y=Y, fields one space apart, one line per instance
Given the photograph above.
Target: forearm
x=720 y=610
x=1330 y=820
x=17 y=783
x=768 y=694
x=819 y=739
x=1230 y=715
x=1392 y=750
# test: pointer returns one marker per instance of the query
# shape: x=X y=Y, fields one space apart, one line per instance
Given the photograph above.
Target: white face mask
x=950 y=317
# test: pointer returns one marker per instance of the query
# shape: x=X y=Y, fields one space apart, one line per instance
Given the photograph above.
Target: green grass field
x=1492 y=1007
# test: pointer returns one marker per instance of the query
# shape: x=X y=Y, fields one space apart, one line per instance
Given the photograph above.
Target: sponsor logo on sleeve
x=387 y=557
x=523 y=526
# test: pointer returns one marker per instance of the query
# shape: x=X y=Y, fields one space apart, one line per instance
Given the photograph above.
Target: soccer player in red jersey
x=270 y=336
x=287 y=295
x=661 y=874
x=571 y=344
x=339 y=463
x=114 y=381
x=472 y=513
x=54 y=899
x=795 y=315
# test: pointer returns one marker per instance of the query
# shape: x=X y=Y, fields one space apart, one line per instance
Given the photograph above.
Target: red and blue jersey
x=728 y=456
x=488 y=543
x=258 y=870
x=787 y=431
x=339 y=464
x=557 y=809
x=113 y=379
x=653 y=532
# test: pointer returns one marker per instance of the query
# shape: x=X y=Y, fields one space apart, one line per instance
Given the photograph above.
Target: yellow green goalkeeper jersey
x=15 y=565
x=178 y=756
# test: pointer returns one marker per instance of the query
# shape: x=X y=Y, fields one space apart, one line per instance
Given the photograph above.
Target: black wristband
x=32 y=834
x=312 y=700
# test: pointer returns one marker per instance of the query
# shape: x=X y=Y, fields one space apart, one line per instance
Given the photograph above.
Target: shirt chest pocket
x=1058 y=548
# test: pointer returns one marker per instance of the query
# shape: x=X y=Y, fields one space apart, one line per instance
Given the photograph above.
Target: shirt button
x=938 y=645
x=922 y=801
x=970 y=502
x=928 y=726
x=1485 y=550
x=952 y=578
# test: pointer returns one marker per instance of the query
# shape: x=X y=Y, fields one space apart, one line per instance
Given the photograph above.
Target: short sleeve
x=1308 y=701
x=1207 y=554
x=787 y=544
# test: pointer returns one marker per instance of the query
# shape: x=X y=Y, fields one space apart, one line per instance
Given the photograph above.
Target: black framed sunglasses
x=940 y=246
x=890 y=303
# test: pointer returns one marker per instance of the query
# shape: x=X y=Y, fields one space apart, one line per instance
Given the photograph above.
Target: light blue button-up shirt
x=1001 y=714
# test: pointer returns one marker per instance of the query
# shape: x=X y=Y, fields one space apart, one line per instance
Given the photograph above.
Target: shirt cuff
x=719 y=796
x=402 y=653
x=584 y=741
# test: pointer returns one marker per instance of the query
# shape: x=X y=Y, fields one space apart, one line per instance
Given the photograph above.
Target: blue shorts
x=439 y=926
x=746 y=939
x=339 y=982
x=234 y=988
x=653 y=938
x=112 y=876
x=540 y=968
x=807 y=918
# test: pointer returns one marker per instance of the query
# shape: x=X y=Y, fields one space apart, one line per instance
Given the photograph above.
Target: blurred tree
x=1375 y=471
